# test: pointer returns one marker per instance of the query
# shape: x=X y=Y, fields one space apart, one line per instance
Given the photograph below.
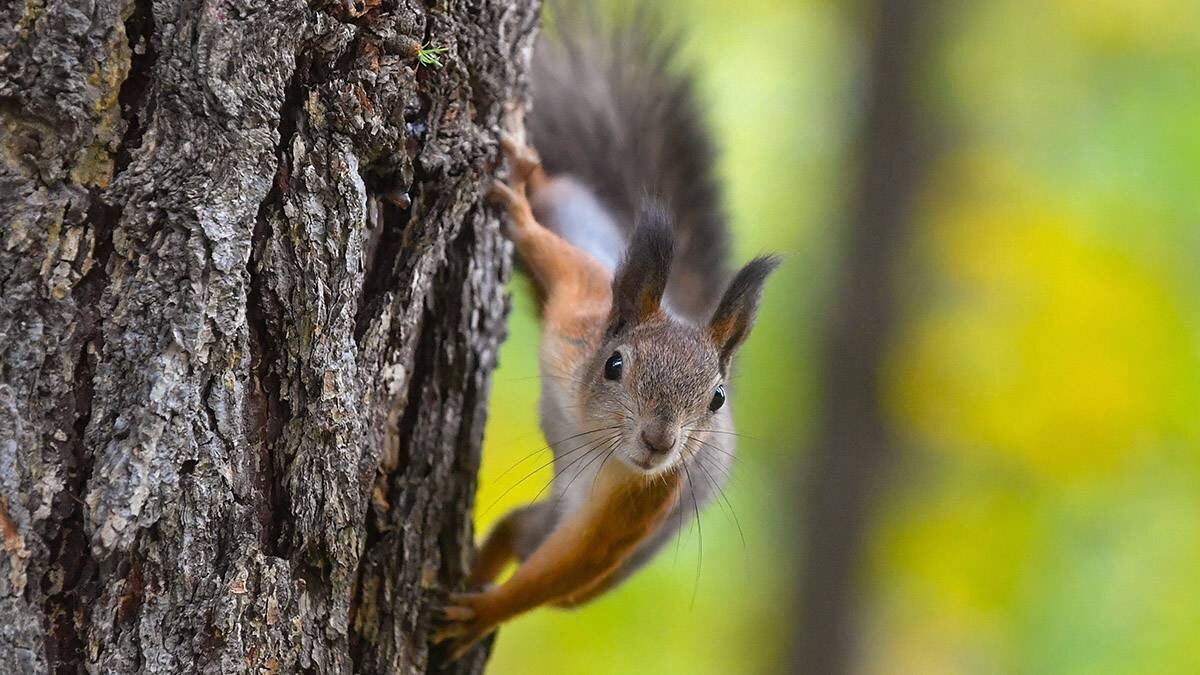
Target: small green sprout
x=428 y=55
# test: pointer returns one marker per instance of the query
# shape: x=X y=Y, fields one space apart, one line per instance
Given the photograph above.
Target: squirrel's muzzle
x=659 y=436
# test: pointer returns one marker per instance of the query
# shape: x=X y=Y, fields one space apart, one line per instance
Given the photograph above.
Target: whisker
x=714 y=447
x=584 y=469
x=552 y=445
x=748 y=461
x=601 y=469
x=539 y=468
x=678 y=530
x=572 y=451
x=744 y=459
x=627 y=408
x=557 y=475
x=721 y=491
x=699 y=534
x=700 y=465
x=713 y=463
x=728 y=433
x=722 y=471
x=542 y=376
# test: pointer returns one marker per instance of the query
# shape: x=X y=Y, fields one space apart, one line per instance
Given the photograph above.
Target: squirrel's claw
x=456 y=613
x=502 y=195
x=448 y=631
x=515 y=204
x=461 y=624
x=525 y=168
x=525 y=176
x=523 y=159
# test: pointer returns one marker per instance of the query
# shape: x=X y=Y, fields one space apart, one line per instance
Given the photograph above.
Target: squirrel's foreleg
x=516 y=536
x=575 y=559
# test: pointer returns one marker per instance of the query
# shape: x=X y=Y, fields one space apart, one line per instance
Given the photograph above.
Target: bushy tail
x=611 y=109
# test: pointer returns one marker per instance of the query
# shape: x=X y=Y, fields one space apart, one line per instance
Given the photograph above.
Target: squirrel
x=635 y=351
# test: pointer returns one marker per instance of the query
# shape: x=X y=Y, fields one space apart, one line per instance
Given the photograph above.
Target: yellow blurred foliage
x=1046 y=375
x=1049 y=346
x=1118 y=25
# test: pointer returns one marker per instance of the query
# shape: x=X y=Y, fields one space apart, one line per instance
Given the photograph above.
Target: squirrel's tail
x=612 y=110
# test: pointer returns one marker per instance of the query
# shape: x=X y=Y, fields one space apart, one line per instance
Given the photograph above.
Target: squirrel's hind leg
x=569 y=278
x=528 y=174
x=525 y=175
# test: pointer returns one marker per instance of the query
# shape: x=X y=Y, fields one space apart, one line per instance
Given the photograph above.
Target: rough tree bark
x=250 y=304
x=852 y=449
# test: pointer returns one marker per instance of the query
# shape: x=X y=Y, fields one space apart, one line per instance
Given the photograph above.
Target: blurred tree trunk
x=852 y=449
x=250 y=306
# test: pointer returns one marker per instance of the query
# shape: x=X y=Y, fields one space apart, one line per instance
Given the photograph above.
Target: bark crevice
x=139 y=34
x=69 y=581
x=266 y=413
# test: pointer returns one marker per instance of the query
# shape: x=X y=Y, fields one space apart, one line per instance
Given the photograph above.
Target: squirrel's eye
x=718 y=398
x=612 y=367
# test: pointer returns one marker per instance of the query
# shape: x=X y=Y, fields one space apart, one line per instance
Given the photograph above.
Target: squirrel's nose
x=659 y=438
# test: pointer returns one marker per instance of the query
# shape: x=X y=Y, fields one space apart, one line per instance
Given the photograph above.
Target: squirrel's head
x=661 y=381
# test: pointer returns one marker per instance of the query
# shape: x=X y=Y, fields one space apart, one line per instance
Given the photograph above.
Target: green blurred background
x=1044 y=382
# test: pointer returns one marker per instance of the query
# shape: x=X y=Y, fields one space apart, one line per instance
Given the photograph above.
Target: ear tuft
x=731 y=322
x=641 y=279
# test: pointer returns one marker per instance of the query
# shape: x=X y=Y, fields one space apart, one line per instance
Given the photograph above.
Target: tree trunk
x=251 y=303
x=852 y=448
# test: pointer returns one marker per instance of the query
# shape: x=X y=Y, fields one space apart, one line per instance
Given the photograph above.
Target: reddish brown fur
x=579 y=558
x=574 y=287
x=576 y=562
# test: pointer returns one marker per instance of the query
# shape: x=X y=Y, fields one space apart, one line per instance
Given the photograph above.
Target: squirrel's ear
x=641 y=278
x=735 y=315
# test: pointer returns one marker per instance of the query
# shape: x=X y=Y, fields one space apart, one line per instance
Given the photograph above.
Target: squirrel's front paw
x=464 y=623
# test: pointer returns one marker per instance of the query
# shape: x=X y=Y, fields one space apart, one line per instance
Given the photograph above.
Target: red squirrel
x=635 y=351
